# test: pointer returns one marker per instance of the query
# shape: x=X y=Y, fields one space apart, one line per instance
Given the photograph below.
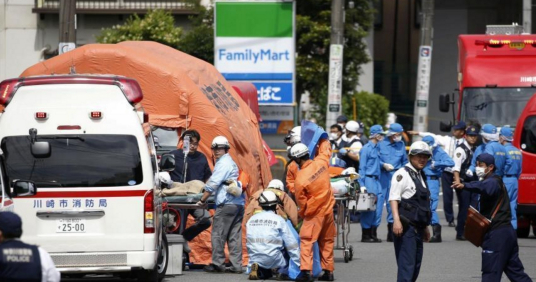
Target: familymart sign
x=254 y=41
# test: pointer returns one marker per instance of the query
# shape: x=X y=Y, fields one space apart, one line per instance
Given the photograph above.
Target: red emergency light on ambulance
x=496 y=80
x=79 y=141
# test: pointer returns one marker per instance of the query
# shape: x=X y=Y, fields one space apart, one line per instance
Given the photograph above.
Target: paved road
x=448 y=261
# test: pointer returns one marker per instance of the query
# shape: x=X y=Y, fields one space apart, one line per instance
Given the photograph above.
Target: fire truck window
x=528 y=135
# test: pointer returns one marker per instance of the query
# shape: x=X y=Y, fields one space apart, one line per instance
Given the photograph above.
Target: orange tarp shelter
x=180 y=91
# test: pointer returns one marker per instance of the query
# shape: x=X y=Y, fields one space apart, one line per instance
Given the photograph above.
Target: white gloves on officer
x=469 y=173
x=388 y=167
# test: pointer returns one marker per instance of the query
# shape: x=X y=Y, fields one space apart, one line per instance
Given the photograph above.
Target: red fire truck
x=496 y=84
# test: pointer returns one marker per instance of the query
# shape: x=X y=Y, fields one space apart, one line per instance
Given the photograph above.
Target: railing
x=117 y=6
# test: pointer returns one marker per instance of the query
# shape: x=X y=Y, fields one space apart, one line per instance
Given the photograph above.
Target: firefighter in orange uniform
x=315 y=201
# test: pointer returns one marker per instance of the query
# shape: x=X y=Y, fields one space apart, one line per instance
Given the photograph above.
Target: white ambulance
x=79 y=140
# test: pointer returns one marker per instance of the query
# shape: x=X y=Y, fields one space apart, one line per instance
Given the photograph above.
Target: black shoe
x=254 y=273
x=375 y=235
x=234 y=270
x=452 y=224
x=366 y=236
x=460 y=238
x=213 y=268
x=282 y=277
x=390 y=232
x=327 y=276
x=437 y=234
x=305 y=275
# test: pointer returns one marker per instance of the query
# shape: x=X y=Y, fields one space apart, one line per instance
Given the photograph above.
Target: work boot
x=375 y=235
x=305 y=275
x=327 y=276
x=390 y=232
x=213 y=268
x=437 y=234
x=452 y=224
x=282 y=277
x=366 y=235
x=254 y=273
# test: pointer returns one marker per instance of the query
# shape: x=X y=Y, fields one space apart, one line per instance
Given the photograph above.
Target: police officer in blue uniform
x=463 y=156
x=500 y=251
x=491 y=145
x=20 y=261
x=410 y=202
x=369 y=169
x=512 y=169
x=392 y=157
x=433 y=170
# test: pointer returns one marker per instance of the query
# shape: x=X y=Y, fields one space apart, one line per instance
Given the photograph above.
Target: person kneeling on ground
x=268 y=235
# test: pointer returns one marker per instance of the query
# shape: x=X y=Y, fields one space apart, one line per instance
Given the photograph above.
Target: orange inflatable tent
x=180 y=91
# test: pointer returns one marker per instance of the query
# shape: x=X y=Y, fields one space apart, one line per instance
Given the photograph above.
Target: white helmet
x=220 y=142
x=299 y=150
x=276 y=183
x=293 y=136
x=267 y=198
x=352 y=126
x=165 y=178
x=420 y=147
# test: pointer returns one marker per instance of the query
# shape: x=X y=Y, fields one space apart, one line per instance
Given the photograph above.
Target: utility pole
x=420 y=119
x=67 y=26
x=335 y=62
x=527 y=16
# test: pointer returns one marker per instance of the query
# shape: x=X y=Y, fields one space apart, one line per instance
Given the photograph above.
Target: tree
x=157 y=25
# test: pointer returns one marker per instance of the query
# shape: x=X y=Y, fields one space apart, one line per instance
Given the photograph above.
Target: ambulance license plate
x=71 y=225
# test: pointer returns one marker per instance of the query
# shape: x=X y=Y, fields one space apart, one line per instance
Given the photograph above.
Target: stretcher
x=342 y=220
x=175 y=220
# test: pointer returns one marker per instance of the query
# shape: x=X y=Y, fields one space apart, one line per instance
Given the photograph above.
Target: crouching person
x=268 y=236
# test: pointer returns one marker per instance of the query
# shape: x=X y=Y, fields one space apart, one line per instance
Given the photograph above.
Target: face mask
x=379 y=138
x=485 y=141
x=397 y=139
x=480 y=172
x=334 y=136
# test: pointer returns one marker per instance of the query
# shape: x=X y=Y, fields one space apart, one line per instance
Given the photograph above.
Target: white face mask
x=397 y=139
x=379 y=138
x=334 y=136
x=480 y=172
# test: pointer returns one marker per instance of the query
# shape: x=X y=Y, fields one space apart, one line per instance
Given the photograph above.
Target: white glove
x=469 y=173
x=199 y=203
x=363 y=189
x=233 y=189
x=388 y=167
x=432 y=165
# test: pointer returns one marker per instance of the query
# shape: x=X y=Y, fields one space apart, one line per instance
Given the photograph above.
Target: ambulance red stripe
x=88 y=194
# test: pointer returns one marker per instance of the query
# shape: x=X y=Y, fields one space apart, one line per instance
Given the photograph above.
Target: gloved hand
x=233 y=189
x=469 y=173
x=363 y=189
x=343 y=151
x=199 y=203
x=388 y=167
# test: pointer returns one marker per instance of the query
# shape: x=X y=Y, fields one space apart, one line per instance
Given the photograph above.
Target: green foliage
x=199 y=42
x=313 y=30
x=371 y=108
x=157 y=25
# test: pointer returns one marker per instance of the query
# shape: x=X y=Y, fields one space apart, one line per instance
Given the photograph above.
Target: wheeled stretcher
x=345 y=190
x=174 y=218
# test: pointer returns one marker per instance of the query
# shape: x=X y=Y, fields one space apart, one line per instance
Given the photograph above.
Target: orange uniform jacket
x=287 y=211
x=292 y=171
x=312 y=185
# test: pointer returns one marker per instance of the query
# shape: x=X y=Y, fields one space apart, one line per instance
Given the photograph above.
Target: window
x=528 y=135
x=75 y=161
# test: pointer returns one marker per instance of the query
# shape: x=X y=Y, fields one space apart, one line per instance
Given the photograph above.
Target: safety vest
x=19 y=262
x=416 y=209
x=467 y=162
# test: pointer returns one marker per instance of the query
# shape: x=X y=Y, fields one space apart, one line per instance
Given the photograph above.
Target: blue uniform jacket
x=479 y=150
x=495 y=149
x=441 y=161
x=393 y=153
x=514 y=160
x=369 y=164
x=224 y=169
